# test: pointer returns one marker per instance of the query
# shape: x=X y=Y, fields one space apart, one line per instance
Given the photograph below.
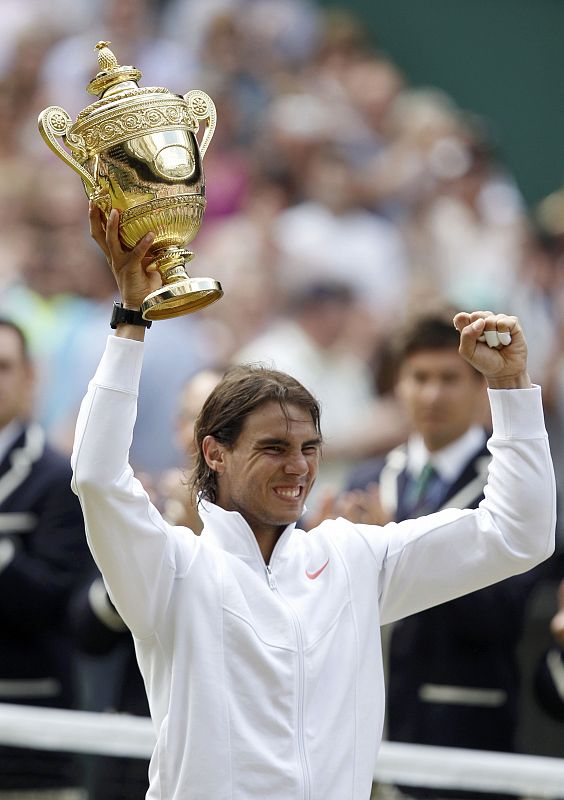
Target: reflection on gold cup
x=136 y=150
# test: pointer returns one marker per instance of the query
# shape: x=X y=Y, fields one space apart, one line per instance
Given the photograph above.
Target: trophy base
x=181 y=297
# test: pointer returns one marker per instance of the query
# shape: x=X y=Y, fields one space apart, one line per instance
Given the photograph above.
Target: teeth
x=288 y=492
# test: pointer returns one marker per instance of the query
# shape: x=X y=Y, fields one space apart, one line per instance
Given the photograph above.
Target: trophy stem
x=180 y=294
x=174 y=274
x=170 y=262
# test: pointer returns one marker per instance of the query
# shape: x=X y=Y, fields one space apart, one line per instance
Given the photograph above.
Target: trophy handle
x=54 y=122
x=203 y=108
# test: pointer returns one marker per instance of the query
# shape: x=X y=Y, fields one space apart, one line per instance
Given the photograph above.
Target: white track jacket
x=265 y=682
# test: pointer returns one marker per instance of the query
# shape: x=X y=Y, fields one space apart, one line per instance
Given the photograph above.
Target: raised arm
x=138 y=553
x=445 y=555
x=134 y=280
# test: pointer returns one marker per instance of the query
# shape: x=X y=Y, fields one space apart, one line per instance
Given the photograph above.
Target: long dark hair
x=241 y=391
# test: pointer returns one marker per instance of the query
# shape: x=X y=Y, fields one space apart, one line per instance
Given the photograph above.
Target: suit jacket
x=453 y=674
x=42 y=533
x=549 y=682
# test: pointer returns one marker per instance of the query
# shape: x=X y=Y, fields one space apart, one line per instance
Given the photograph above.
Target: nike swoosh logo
x=313 y=575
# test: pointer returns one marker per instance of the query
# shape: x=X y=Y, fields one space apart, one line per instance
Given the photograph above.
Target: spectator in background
x=401 y=177
x=549 y=678
x=43 y=556
x=279 y=34
x=453 y=670
x=466 y=236
x=239 y=251
x=329 y=235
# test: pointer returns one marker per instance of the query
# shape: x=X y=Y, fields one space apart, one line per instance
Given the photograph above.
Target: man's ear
x=214 y=453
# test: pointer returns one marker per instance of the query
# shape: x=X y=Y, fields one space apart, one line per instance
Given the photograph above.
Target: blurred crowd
x=336 y=192
x=340 y=197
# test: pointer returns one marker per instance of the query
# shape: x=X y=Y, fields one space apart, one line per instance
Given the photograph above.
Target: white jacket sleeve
x=441 y=556
x=138 y=553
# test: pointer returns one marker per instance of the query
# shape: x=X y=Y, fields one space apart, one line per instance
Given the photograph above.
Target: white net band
x=405 y=764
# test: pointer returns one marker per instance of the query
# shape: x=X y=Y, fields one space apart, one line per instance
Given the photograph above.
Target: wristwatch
x=129 y=316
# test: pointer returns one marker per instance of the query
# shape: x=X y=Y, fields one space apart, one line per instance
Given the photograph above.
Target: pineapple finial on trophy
x=111 y=72
x=106 y=58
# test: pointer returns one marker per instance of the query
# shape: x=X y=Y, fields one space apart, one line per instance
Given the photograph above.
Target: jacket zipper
x=270 y=577
x=301 y=682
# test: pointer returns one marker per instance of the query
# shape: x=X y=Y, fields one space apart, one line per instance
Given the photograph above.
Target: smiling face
x=267 y=474
x=442 y=395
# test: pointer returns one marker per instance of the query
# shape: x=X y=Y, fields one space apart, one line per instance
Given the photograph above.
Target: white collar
x=8 y=435
x=231 y=532
x=450 y=460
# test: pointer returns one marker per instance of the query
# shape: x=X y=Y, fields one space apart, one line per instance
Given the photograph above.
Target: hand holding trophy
x=136 y=150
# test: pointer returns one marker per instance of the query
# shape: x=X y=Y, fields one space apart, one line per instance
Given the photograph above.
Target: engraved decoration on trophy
x=136 y=150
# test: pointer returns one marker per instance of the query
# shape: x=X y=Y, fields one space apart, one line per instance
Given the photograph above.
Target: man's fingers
x=495 y=338
x=97 y=230
x=112 y=232
x=113 y=242
x=141 y=248
x=495 y=330
x=463 y=318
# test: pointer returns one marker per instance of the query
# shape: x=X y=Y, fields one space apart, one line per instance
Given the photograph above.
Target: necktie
x=423 y=493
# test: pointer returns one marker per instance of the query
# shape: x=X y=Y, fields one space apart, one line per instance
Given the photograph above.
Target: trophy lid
x=111 y=73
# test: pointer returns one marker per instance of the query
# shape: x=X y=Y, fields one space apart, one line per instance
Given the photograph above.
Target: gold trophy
x=136 y=150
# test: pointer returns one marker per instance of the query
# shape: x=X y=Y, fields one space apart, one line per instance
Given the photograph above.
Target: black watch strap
x=129 y=316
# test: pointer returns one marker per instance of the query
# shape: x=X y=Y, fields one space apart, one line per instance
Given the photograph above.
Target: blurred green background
x=503 y=59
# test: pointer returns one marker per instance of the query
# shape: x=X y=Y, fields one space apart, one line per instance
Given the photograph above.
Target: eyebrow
x=272 y=440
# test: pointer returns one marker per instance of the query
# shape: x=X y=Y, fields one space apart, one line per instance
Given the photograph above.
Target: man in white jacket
x=259 y=643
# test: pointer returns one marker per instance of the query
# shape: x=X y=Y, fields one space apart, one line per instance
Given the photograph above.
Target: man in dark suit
x=453 y=672
x=549 y=674
x=43 y=555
